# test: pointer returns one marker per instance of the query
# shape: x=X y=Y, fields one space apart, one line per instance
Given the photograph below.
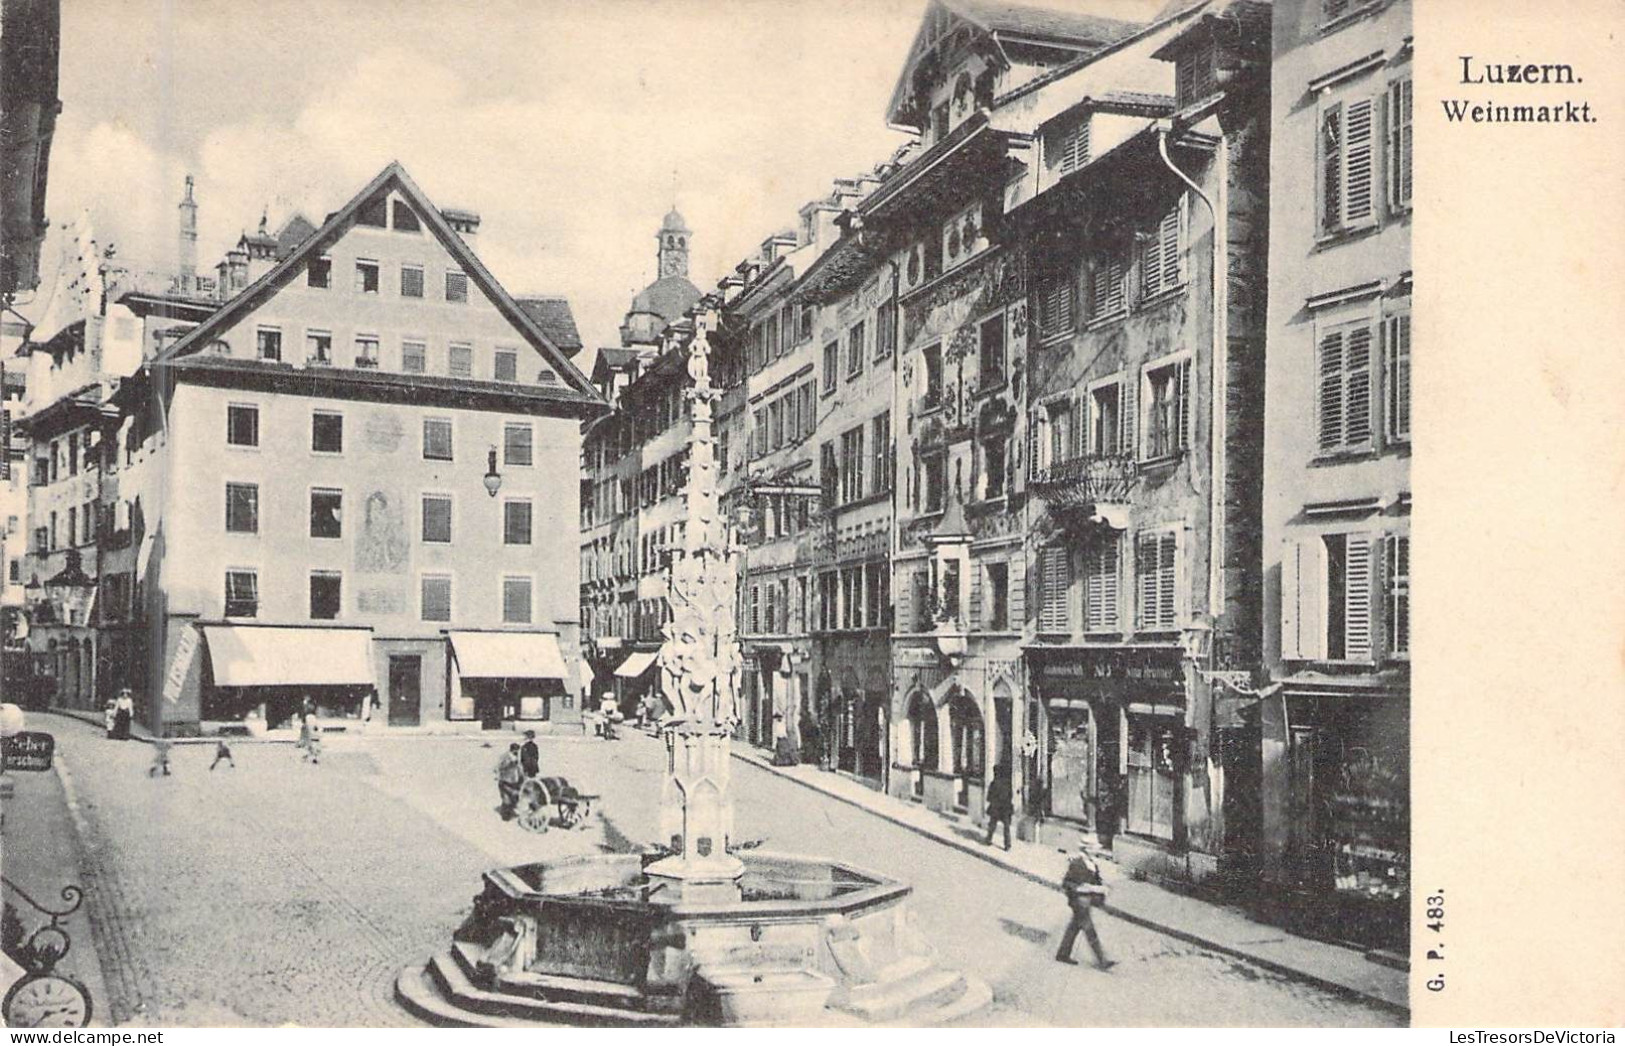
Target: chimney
x=186 y=267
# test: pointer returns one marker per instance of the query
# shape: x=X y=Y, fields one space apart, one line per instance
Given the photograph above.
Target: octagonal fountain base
x=597 y=940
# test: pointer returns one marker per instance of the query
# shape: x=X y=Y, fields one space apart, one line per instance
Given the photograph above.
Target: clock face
x=47 y=1001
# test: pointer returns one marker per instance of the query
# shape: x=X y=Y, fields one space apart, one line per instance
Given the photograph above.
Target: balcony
x=1085 y=482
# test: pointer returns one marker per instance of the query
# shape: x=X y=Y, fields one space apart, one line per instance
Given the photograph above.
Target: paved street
x=281 y=892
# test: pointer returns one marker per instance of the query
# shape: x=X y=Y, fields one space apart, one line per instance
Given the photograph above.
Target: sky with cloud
x=570 y=126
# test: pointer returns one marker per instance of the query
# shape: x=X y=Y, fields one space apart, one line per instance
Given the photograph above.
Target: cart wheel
x=584 y=810
x=535 y=806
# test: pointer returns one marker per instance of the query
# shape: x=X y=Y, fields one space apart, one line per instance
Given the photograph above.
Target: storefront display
x=1368 y=826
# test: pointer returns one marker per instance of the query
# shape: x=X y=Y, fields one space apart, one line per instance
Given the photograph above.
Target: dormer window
x=1072 y=148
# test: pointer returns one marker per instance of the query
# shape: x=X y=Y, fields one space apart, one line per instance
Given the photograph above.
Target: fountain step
x=915 y=995
x=547 y=986
x=474 y=1002
x=417 y=990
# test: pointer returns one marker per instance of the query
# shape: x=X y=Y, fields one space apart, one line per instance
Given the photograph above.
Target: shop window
x=325 y=595
x=326 y=513
x=242 y=593
x=242 y=425
x=242 y=508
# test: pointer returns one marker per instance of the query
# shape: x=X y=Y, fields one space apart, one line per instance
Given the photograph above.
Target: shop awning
x=636 y=664
x=508 y=655
x=265 y=655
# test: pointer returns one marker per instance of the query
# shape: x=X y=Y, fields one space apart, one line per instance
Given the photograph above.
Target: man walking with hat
x=1084 y=891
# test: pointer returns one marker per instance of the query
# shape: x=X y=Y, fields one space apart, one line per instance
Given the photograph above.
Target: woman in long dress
x=123 y=712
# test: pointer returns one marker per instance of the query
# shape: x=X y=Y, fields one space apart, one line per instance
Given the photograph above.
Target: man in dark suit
x=530 y=757
x=1084 y=890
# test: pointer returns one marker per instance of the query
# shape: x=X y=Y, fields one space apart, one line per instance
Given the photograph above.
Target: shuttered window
x=1106 y=295
x=1396 y=561
x=1162 y=258
x=435 y=598
x=1347 y=164
x=1056 y=300
x=1156 y=573
x=1397 y=378
x=1075 y=148
x=1055 y=582
x=1399 y=144
x=1101 y=574
x=1349 y=603
x=1168 y=409
x=1345 y=389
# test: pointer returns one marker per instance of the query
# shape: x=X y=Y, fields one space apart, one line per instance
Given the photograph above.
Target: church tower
x=186 y=267
x=673 y=245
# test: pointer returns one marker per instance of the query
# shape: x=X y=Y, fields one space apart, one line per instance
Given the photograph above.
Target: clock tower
x=673 y=245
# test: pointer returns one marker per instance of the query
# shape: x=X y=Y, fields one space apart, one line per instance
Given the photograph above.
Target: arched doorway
x=922 y=741
x=967 y=735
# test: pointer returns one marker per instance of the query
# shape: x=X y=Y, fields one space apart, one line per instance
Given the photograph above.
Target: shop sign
x=28 y=750
x=180 y=665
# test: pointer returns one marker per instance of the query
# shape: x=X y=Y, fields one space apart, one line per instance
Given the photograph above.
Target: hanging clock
x=47 y=1000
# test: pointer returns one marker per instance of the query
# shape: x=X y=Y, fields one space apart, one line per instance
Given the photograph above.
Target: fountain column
x=700 y=670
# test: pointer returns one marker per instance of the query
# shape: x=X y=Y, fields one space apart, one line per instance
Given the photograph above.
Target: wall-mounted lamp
x=493 y=478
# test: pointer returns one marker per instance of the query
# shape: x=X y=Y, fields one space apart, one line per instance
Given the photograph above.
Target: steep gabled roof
x=553 y=315
x=1042 y=26
x=1072 y=28
x=393 y=176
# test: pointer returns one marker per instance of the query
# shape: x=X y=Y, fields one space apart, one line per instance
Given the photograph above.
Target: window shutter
x=1357 y=427
x=1290 y=599
x=1182 y=403
x=1398 y=378
x=1101 y=587
x=1168 y=580
x=1169 y=235
x=1397 y=569
x=1145 y=573
x=1331 y=390
x=1108 y=288
x=1331 y=167
x=1312 y=586
x=1127 y=413
x=1357 y=151
x=1151 y=265
x=1054 y=579
x=1399 y=144
x=1358 y=597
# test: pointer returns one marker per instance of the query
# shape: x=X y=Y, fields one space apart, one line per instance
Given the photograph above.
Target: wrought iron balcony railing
x=1081 y=482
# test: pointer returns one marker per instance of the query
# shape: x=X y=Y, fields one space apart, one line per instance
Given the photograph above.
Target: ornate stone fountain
x=696 y=933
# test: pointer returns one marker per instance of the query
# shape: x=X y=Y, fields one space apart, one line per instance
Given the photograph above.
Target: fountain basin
x=596 y=939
